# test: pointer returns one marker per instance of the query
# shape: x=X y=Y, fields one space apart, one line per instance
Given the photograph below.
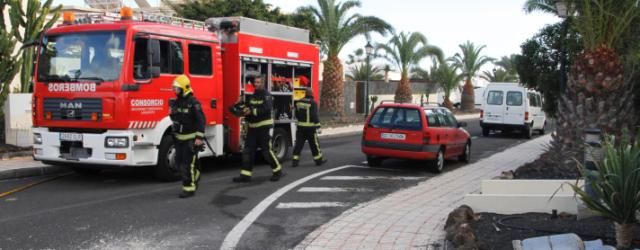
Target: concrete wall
x=17 y=120
x=385 y=92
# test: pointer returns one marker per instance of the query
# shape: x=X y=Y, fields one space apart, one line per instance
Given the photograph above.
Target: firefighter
x=188 y=130
x=258 y=116
x=308 y=124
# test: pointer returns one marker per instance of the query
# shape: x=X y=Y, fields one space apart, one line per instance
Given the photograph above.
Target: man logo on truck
x=70 y=105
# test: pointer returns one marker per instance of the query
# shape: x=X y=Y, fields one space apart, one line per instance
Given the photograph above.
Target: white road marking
x=332 y=189
x=233 y=237
x=356 y=178
x=284 y=205
x=473 y=138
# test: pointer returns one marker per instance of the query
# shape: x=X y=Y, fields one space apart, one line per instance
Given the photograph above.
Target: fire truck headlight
x=37 y=138
x=116 y=142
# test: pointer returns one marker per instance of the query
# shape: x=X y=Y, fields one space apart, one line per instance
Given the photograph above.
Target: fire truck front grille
x=80 y=109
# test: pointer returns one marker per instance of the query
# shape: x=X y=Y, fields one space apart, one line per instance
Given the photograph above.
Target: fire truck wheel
x=166 y=170
x=280 y=144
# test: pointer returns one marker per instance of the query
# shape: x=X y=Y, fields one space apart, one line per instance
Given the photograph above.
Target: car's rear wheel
x=373 y=161
x=437 y=164
x=466 y=154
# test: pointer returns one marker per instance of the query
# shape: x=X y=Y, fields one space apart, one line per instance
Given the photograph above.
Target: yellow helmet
x=182 y=81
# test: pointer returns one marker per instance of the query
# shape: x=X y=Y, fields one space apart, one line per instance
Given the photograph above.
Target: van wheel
x=485 y=132
x=167 y=169
x=373 y=161
x=466 y=154
x=528 y=132
x=280 y=144
x=437 y=164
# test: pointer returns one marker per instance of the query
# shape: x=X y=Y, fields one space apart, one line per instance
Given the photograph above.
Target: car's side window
x=514 y=98
x=495 y=97
x=432 y=118
x=451 y=120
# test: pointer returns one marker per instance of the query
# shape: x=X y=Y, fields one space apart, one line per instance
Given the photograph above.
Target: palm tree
x=470 y=62
x=358 y=72
x=548 y=6
x=447 y=75
x=598 y=94
x=406 y=50
x=335 y=28
x=508 y=63
x=499 y=75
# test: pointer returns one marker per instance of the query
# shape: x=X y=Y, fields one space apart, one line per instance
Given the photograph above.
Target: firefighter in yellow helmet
x=188 y=130
x=307 y=130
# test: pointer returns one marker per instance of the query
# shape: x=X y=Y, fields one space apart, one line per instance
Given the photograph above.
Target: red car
x=409 y=131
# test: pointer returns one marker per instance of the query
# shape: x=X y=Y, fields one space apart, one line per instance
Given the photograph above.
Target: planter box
x=522 y=196
x=17 y=120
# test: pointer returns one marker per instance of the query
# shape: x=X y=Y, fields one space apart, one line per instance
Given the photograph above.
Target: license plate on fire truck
x=70 y=137
x=392 y=136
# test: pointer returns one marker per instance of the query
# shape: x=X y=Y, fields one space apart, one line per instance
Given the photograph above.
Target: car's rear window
x=514 y=98
x=495 y=97
x=397 y=118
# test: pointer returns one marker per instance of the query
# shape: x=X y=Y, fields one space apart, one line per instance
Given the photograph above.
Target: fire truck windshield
x=87 y=56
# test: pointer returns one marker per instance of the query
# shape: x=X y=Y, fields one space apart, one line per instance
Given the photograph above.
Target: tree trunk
x=332 y=96
x=447 y=103
x=624 y=235
x=403 y=92
x=584 y=106
x=468 y=98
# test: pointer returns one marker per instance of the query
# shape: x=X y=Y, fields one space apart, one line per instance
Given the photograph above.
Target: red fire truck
x=102 y=85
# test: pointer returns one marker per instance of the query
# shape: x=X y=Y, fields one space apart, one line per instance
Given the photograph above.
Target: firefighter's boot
x=276 y=176
x=320 y=162
x=186 y=194
x=242 y=178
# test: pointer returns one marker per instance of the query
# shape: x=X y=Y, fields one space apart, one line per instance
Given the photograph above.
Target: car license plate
x=393 y=136
x=70 y=137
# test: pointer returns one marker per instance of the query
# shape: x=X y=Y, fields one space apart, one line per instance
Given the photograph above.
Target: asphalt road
x=124 y=209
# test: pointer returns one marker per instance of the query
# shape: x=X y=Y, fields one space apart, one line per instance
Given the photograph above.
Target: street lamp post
x=368 y=49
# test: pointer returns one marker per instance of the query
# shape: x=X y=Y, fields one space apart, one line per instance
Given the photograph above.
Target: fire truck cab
x=102 y=86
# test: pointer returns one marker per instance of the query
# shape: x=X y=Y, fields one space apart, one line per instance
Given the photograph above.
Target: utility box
x=17 y=120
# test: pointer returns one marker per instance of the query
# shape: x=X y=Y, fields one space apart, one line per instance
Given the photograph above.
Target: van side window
x=495 y=97
x=539 y=99
x=514 y=98
x=533 y=101
x=200 y=62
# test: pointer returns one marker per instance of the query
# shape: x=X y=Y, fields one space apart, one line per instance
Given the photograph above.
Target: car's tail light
x=426 y=137
x=526 y=116
x=481 y=114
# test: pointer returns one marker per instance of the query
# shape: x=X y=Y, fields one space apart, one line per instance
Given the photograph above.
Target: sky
x=501 y=25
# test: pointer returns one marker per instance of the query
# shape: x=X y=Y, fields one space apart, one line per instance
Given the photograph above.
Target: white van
x=510 y=106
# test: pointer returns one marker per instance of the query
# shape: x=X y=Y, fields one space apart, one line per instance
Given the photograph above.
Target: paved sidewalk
x=414 y=218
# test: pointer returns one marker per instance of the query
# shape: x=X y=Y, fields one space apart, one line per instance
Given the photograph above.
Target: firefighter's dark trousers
x=186 y=159
x=258 y=138
x=304 y=134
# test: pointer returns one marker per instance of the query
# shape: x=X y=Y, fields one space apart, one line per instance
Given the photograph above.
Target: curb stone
x=9 y=155
x=33 y=171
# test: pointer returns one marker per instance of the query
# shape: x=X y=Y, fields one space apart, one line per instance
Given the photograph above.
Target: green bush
x=616 y=186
